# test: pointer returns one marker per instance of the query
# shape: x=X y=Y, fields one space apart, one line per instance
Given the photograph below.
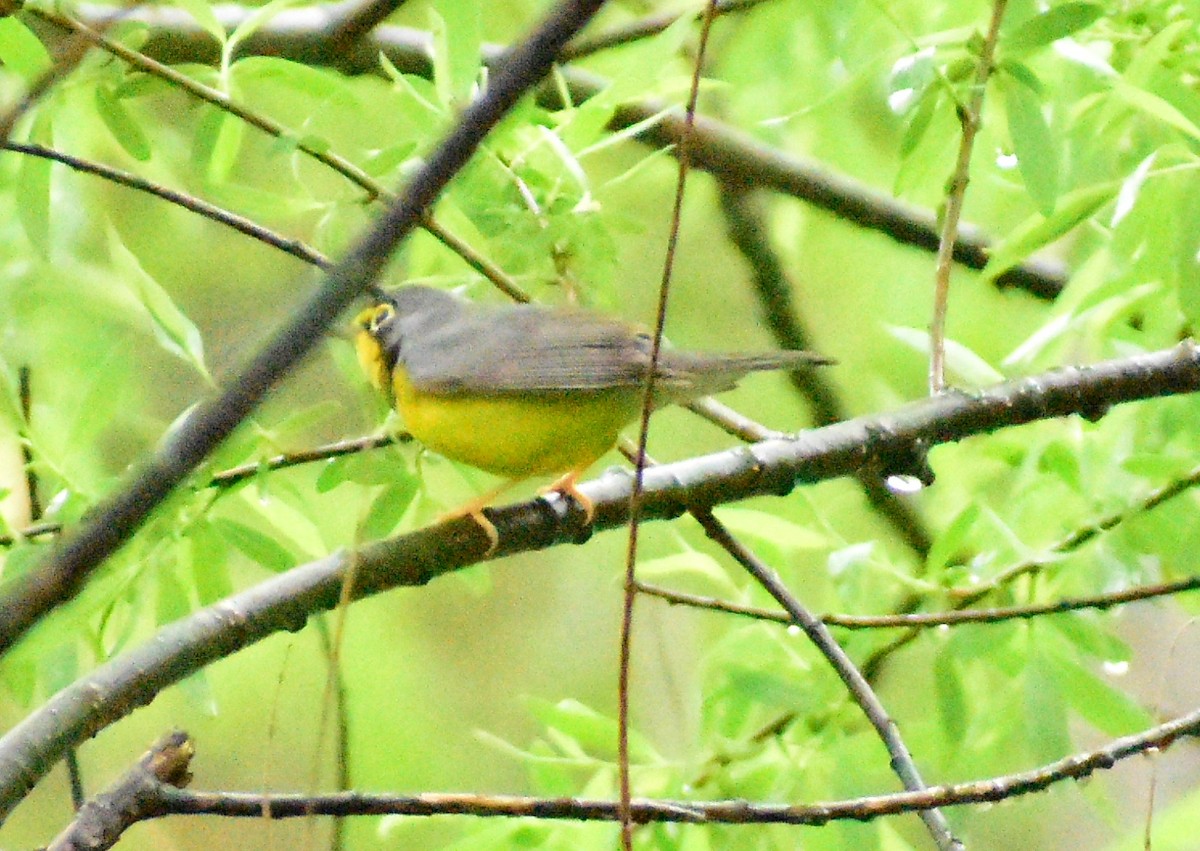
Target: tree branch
x=925 y=620
x=970 y=117
x=285 y=602
x=170 y=800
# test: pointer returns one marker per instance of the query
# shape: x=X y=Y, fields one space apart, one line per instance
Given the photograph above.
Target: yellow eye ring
x=373 y=318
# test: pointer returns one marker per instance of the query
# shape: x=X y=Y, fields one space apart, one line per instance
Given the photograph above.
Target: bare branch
x=170 y=800
x=856 y=684
x=133 y=798
x=931 y=619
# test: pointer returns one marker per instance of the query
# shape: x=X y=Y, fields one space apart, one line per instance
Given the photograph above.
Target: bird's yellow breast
x=517 y=435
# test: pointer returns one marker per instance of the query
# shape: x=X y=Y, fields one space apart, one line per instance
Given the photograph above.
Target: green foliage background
x=502 y=678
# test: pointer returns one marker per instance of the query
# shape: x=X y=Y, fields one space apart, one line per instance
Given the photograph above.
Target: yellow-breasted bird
x=523 y=390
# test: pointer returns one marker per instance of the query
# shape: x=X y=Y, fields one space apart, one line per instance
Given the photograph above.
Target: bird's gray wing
x=526 y=350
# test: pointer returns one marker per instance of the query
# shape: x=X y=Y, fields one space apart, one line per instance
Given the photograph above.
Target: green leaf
x=1108 y=709
x=202 y=11
x=772 y=529
x=256 y=21
x=1062 y=459
x=226 y=147
x=953 y=707
x=379 y=467
x=121 y=124
x=768 y=688
x=950 y=542
x=685 y=564
x=594 y=732
x=1037 y=155
x=1055 y=23
x=919 y=123
x=59 y=667
x=207 y=555
x=1045 y=712
x=1038 y=231
x=386 y=510
x=910 y=78
x=33 y=190
x=456 y=50
x=1156 y=107
x=255 y=545
x=21 y=51
x=1023 y=74
x=172 y=328
x=1131 y=188
x=966 y=366
x=172 y=602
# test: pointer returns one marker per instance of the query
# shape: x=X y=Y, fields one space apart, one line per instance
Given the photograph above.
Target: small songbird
x=523 y=390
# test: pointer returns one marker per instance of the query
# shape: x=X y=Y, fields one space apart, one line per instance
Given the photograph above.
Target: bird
x=523 y=390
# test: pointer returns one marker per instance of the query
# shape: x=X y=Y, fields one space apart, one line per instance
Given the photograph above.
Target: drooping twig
x=639 y=462
x=33 y=497
x=181 y=199
x=58 y=576
x=856 y=684
x=926 y=620
x=1070 y=543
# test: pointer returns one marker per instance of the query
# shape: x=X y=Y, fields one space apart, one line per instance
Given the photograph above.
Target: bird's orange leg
x=474 y=510
x=566 y=486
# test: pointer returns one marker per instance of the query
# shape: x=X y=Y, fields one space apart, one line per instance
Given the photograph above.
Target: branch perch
x=285 y=602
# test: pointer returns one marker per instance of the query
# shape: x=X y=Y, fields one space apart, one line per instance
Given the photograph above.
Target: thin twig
x=1072 y=542
x=335 y=692
x=1077 y=538
x=925 y=620
x=25 y=391
x=856 y=684
x=245 y=226
x=970 y=119
x=639 y=466
x=236 y=475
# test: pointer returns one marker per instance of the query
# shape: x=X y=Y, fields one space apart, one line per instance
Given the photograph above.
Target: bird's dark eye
x=377 y=317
